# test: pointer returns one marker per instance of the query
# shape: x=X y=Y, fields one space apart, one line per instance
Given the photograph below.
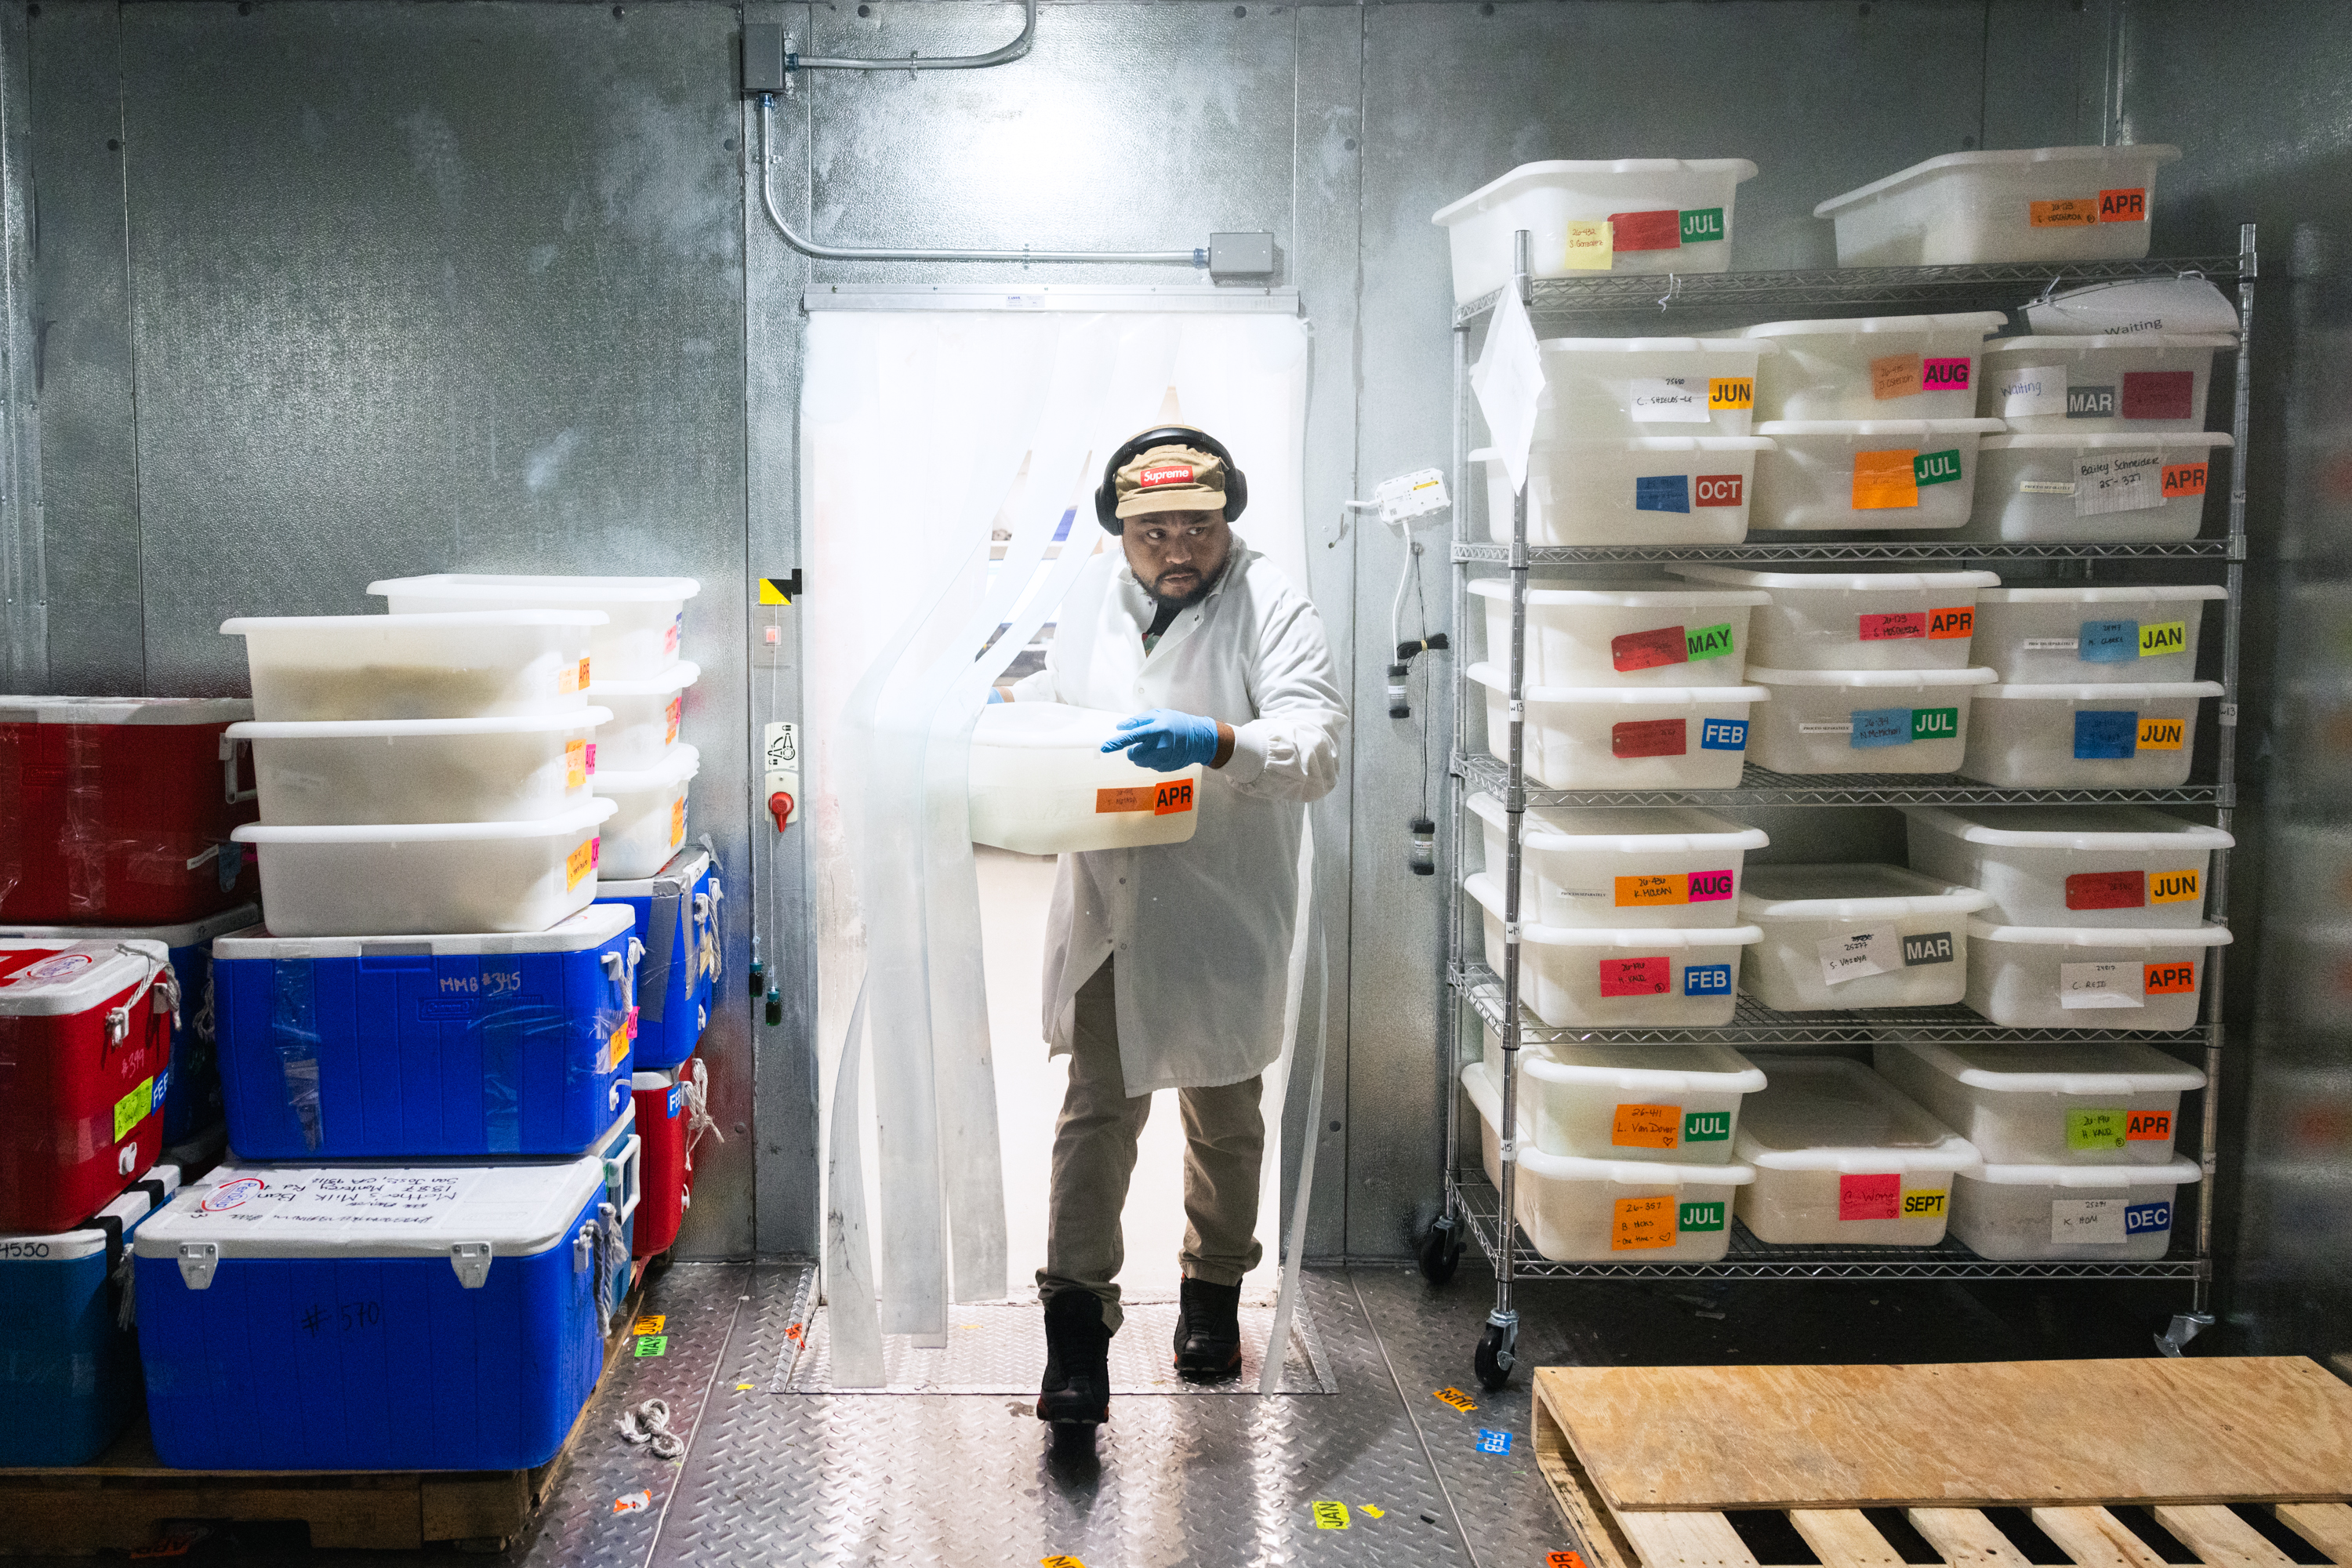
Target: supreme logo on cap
x=1175 y=474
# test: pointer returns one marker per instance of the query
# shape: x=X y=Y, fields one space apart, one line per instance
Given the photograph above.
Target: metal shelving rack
x=1473 y=991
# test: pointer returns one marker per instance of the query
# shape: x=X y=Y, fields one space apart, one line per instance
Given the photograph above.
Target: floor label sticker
x=1491 y=1442
x=1331 y=1515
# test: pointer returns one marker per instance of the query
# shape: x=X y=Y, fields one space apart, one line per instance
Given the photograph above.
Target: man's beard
x=1203 y=583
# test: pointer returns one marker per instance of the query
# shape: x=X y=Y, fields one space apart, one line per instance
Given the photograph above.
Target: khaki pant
x=1094 y=1156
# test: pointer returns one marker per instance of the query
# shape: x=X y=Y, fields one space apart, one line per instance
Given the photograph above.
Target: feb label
x=1648 y=738
x=1637 y=1224
x=1886 y=481
x=1707 y=980
x=1723 y=735
x=1874 y=1196
x=1646 y=1127
x=1651 y=976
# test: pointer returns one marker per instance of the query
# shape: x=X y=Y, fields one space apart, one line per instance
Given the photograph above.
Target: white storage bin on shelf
x=645 y=716
x=469 y=665
x=2136 y=384
x=2093 y=489
x=1596 y=1211
x=513 y=768
x=2089 y=977
x=1625 y=737
x=1623 y=865
x=2117 y=1213
x=1864 y=721
x=1575 y=977
x=644 y=615
x=2147 y=632
x=1856 y=620
x=1647 y=490
x=1603 y=634
x=2049 y=865
x=1867 y=473
x=2084 y=1102
x=1671 y=215
x=1872 y=367
x=648 y=823
x=1648 y=386
x=2040 y=204
x=1842 y=1159
x=1676 y=1101
x=1041 y=784
x=1854 y=936
x=2136 y=735
x=427 y=879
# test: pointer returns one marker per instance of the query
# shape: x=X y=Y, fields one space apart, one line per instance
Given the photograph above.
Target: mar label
x=1927 y=947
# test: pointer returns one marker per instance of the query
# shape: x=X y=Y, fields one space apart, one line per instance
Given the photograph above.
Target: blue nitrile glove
x=995 y=694
x=1165 y=741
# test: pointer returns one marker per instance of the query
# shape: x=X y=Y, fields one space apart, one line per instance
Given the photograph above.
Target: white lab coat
x=1203 y=929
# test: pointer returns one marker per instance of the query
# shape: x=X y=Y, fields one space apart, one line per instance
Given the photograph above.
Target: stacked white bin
x=1856 y=620
x=1838 y=937
x=1842 y=1159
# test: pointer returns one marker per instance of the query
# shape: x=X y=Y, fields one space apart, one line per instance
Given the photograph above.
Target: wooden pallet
x=1667 y=1442
x=127 y=1499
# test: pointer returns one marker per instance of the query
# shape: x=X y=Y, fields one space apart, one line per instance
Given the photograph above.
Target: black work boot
x=1208 y=1331
x=1076 y=1390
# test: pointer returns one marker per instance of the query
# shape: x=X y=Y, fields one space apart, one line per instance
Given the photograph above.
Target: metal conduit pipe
x=1011 y=51
x=846 y=253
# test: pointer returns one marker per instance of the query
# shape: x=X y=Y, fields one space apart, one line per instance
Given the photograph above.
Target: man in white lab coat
x=1166 y=965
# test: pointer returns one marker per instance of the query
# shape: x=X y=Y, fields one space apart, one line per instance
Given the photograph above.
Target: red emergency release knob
x=780 y=806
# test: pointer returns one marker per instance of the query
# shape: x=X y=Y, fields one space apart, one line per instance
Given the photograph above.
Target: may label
x=1886 y=481
x=2099 y=985
x=1870 y=1196
x=2105 y=734
x=2090 y=403
x=1667 y=401
x=2035 y=390
x=1703 y=642
x=1648 y=738
x=1651 y=976
x=1662 y=492
x=2159 y=395
x=1647 y=651
x=2107 y=891
x=1646 y=1127
x=1640 y=1223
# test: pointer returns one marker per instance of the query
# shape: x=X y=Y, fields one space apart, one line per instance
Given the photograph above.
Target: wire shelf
x=1759 y=787
x=1749 y=1258
x=1756 y=1027
x=1849 y=550
x=1835 y=287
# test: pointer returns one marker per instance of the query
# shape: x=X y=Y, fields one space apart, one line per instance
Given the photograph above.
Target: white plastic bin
x=2075 y=1213
x=1623 y=865
x=1625 y=737
x=1041 y=784
x=1648 y=489
x=1842 y=1159
x=1864 y=721
x=1867 y=473
x=1636 y=634
x=2089 y=977
x=1675 y=1100
x=2094 y=488
x=1856 y=620
x=649 y=825
x=2050 y=865
x=2145 y=632
x=514 y=768
x=2040 y=204
x=2083 y=1102
x=1600 y=1211
x=1673 y=214
x=2131 y=735
x=1872 y=367
x=427 y=879
x=1573 y=977
x=2135 y=383
x=1648 y=386
x=469 y=665
x=1856 y=936
x=644 y=615
x=646 y=717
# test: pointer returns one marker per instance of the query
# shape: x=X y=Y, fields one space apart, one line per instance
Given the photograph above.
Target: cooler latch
x=471 y=1260
x=197 y=1261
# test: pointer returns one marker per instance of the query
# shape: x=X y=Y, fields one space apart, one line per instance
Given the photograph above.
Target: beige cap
x=1171 y=479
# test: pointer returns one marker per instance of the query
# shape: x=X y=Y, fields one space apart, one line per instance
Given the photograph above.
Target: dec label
x=2106 y=1222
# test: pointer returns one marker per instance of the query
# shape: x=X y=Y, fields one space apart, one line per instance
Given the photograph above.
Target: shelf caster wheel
x=1496 y=1356
x=1441 y=1251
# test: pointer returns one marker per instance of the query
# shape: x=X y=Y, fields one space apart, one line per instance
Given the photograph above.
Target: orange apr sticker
x=1646 y=1127
x=575 y=764
x=578 y=864
x=2079 y=212
x=1167 y=799
x=1882 y=480
x=677 y=821
x=2184 y=479
x=1564 y=1560
x=1642 y=1223
x=1953 y=621
x=2123 y=205
x=1640 y=892
x=2169 y=979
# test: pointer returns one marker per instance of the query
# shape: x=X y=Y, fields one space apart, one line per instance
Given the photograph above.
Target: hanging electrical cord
x=1421 y=832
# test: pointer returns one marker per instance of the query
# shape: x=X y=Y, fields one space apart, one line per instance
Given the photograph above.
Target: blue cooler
x=375 y=1317
x=680 y=974
x=192 y=1101
x=69 y=1381
x=400 y=1048
x=625 y=1178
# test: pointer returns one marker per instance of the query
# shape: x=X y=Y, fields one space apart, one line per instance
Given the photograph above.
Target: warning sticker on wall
x=1164 y=799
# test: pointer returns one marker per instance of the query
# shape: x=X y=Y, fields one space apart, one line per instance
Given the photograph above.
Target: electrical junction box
x=764 y=57
x=1412 y=495
x=1240 y=255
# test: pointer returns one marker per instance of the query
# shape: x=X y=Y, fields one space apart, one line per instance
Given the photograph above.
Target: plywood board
x=1999 y=1434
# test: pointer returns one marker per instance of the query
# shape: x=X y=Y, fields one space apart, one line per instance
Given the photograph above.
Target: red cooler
x=113 y=811
x=671 y=1119
x=85 y=1027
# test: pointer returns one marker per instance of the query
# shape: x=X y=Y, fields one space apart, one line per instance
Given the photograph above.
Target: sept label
x=1651 y=976
x=1646 y=1127
x=1638 y=1224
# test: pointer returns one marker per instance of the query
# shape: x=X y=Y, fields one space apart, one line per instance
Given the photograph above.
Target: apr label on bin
x=1166 y=799
x=1642 y=1222
x=1939 y=625
x=2175 y=979
x=1646 y=1127
x=1651 y=976
x=2183 y=480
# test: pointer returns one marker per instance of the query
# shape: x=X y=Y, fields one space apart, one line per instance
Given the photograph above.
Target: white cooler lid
x=85 y=1240
x=2078 y=1067
x=1493 y=677
x=1733 y=345
x=1576 y=1168
x=374 y=1210
x=1489 y=894
x=589 y=928
x=187 y=934
x=1782 y=894
x=1623 y=829
x=2033 y=343
x=2109 y=829
x=1881 y=427
x=363 y=625
x=395 y=729
x=1845 y=581
x=1639 y=444
x=2106 y=441
x=1660 y=1067
x=1621 y=596
x=2178 y=1172
x=75 y=977
x=2122 y=691
x=1980 y=321
x=1826 y=1114
x=2149 y=937
x=124 y=709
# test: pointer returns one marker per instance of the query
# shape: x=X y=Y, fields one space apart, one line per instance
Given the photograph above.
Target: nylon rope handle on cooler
x=699 y=1119
x=160 y=980
x=714 y=939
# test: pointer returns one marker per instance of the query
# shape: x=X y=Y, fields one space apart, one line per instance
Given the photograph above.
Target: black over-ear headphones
x=1106 y=495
